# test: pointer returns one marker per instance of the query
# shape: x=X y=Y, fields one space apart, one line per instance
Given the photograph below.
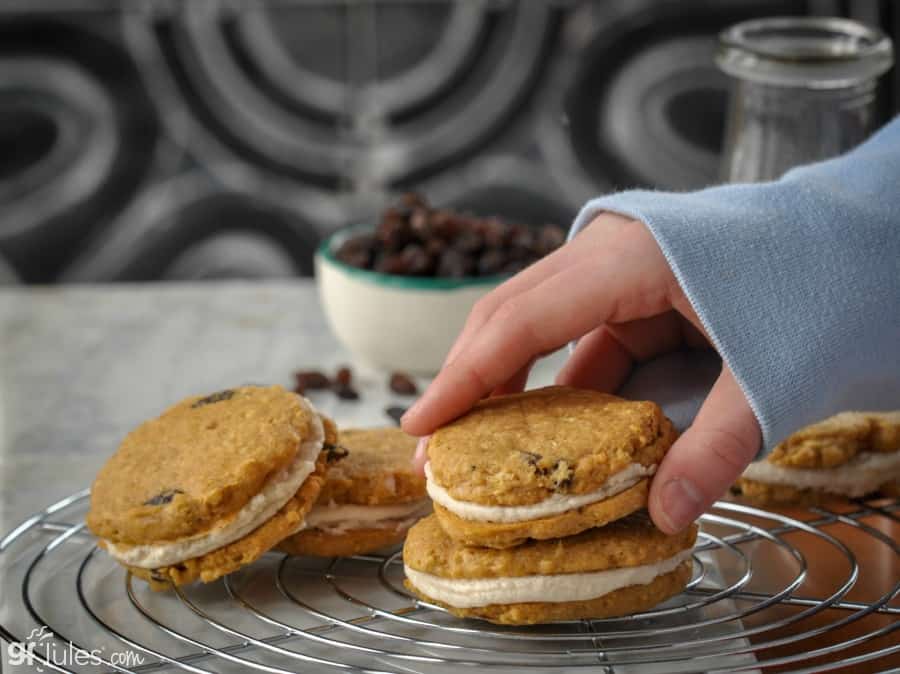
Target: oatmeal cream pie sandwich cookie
x=543 y=464
x=623 y=568
x=371 y=497
x=211 y=484
x=851 y=454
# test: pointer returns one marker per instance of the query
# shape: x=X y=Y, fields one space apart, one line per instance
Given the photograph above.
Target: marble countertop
x=82 y=365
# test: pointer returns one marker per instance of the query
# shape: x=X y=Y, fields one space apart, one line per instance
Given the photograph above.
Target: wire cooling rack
x=804 y=591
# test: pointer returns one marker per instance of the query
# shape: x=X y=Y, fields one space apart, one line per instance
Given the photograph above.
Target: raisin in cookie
x=211 y=484
x=543 y=464
x=370 y=499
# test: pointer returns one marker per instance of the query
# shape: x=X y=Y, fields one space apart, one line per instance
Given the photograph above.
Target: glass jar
x=804 y=91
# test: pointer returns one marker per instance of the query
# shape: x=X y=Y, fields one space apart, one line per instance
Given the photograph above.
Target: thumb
x=707 y=458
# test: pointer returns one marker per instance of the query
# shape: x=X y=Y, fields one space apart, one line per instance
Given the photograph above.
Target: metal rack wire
x=812 y=591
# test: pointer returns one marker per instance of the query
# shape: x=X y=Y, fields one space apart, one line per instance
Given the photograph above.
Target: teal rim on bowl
x=326 y=251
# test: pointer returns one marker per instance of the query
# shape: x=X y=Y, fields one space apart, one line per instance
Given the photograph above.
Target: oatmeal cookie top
x=200 y=461
x=519 y=449
x=836 y=440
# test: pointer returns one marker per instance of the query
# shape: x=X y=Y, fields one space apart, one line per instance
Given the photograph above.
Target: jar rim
x=850 y=40
x=811 y=51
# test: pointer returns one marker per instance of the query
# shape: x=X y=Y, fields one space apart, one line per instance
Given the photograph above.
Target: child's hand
x=612 y=289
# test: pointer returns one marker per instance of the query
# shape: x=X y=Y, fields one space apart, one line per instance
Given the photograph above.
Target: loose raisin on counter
x=395 y=412
x=309 y=380
x=403 y=384
x=346 y=392
x=344 y=376
x=343 y=384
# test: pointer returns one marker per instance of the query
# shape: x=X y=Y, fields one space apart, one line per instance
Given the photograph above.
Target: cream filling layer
x=553 y=505
x=469 y=593
x=864 y=473
x=276 y=491
x=340 y=518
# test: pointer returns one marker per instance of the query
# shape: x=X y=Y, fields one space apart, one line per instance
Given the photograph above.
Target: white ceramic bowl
x=394 y=322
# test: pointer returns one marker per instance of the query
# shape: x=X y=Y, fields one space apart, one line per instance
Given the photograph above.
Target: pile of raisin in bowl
x=414 y=239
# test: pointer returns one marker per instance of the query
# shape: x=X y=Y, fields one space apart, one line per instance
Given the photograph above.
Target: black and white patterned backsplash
x=204 y=139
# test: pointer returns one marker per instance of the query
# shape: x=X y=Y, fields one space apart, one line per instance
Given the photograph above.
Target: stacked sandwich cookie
x=852 y=454
x=537 y=498
x=371 y=496
x=211 y=484
x=621 y=568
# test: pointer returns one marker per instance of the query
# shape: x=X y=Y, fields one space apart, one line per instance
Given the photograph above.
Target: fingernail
x=421 y=447
x=420 y=458
x=682 y=503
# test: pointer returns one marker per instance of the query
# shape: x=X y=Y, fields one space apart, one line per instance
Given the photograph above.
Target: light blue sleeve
x=796 y=281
